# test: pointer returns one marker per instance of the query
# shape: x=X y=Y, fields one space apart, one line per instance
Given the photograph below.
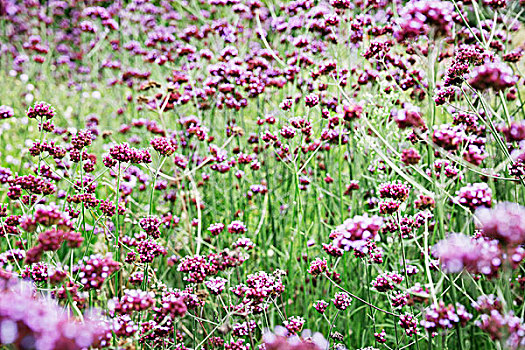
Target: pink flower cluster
x=386 y=281
x=95 y=269
x=394 y=190
x=132 y=301
x=123 y=153
x=474 y=196
x=318 y=267
x=354 y=233
x=441 y=317
x=41 y=110
x=342 y=300
x=258 y=289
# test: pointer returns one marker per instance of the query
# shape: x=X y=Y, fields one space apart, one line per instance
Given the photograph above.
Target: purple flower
x=496 y=76
x=321 y=306
x=441 y=317
x=318 y=267
x=420 y=17
x=39 y=323
x=216 y=228
x=409 y=323
x=216 y=285
x=476 y=255
x=355 y=232
x=505 y=223
x=474 y=196
x=237 y=227
x=41 y=110
x=244 y=329
x=95 y=269
x=6 y=112
x=341 y=300
x=280 y=338
x=294 y=324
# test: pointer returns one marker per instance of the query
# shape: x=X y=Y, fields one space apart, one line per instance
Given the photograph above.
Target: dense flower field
x=253 y=174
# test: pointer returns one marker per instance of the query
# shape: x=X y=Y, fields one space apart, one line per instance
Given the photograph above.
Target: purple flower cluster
x=354 y=233
x=95 y=269
x=386 y=281
x=515 y=132
x=321 y=306
x=164 y=146
x=394 y=190
x=237 y=227
x=216 y=229
x=175 y=304
x=244 y=243
x=281 y=339
x=151 y=225
x=244 y=329
x=478 y=256
x=318 y=267
x=506 y=327
x=341 y=300
x=409 y=117
x=410 y=156
x=495 y=76
x=399 y=299
x=487 y=303
x=41 y=110
x=380 y=337
x=132 y=301
x=258 y=289
x=6 y=112
x=419 y=18
x=448 y=137
x=31 y=322
x=504 y=223
x=294 y=324
x=441 y=317
x=149 y=249
x=236 y=345
x=216 y=285
x=473 y=196
x=123 y=153
x=198 y=267
x=409 y=323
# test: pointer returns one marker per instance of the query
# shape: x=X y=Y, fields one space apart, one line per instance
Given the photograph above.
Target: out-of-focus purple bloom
x=281 y=339
x=496 y=76
x=505 y=223
x=420 y=17
x=478 y=256
x=6 y=112
x=32 y=322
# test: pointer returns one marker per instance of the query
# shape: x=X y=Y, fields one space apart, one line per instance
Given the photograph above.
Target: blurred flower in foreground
x=280 y=339
x=476 y=255
x=505 y=223
x=496 y=76
x=31 y=322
